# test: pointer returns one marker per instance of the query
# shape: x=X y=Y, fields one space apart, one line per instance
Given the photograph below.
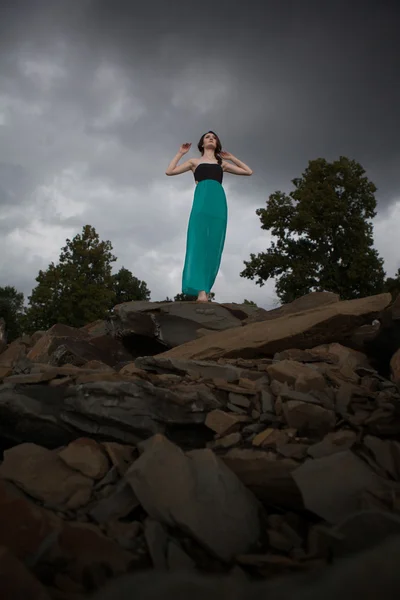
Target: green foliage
x=323 y=234
x=79 y=289
x=12 y=311
x=250 y=302
x=392 y=285
x=127 y=287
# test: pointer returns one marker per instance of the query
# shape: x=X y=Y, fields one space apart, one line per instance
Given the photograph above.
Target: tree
x=11 y=310
x=79 y=289
x=188 y=298
x=127 y=287
x=323 y=234
x=250 y=302
x=392 y=285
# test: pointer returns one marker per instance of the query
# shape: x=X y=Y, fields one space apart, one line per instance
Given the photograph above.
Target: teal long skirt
x=205 y=237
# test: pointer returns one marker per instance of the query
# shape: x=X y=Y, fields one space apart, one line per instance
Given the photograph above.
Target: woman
x=208 y=218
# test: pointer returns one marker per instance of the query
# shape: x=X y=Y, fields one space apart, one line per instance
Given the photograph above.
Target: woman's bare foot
x=202 y=297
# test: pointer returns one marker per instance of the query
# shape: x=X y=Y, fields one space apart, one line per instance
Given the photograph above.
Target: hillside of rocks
x=221 y=447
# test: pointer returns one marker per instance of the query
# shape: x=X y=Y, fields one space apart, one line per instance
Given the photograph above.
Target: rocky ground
x=217 y=450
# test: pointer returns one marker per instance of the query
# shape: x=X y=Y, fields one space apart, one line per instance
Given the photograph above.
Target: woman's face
x=210 y=140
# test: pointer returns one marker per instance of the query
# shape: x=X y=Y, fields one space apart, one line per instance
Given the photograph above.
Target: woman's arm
x=173 y=168
x=238 y=168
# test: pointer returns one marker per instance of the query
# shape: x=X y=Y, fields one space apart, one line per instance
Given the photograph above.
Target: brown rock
x=336 y=441
x=222 y=422
x=121 y=456
x=309 y=418
x=233 y=439
x=269 y=438
x=267 y=477
x=302 y=330
x=290 y=372
x=307 y=302
x=239 y=400
x=97 y=365
x=51 y=339
x=17 y=583
x=193 y=368
x=12 y=354
x=62 y=344
x=190 y=492
x=346 y=357
x=90 y=555
x=117 y=505
x=24 y=526
x=87 y=457
x=44 y=476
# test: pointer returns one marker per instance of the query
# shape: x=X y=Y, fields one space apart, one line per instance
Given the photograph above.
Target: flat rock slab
x=172 y=323
x=119 y=411
x=199 y=368
x=43 y=475
x=302 y=330
x=332 y=486
x=196 y=493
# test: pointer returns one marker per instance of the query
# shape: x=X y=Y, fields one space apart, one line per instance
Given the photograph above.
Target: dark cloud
x=96 y=96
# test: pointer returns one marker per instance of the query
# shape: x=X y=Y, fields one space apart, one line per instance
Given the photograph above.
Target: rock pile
x=259 y=451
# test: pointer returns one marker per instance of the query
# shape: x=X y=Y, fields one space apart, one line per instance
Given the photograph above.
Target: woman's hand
x=184 y=148
x=226 y=155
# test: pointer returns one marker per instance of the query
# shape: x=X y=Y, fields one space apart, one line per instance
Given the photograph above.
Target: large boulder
x=307 y=329
x=198 y=494
x=122 y=411
x=62 y=344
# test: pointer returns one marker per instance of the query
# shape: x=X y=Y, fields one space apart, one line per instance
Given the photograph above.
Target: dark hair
x=218 y=148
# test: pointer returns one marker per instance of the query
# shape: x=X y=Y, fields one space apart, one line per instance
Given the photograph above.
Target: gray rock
x=171 y=323
x=332 y=486
x=119 y=411
x=208 y=370
x=308 y=418
x=196 y=493
x=370 y=575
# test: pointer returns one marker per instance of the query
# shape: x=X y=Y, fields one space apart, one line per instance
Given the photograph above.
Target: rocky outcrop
x=249 y=470
x=332 y=323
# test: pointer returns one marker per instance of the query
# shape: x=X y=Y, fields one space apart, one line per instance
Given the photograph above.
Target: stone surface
x=17 y=583
x=304 y=330
x=332 y=486
x=67 y=345
x=190 y=492
x=365 y=575
x=118 y=410
x=87 y=457
x=267 y=477
x=309 y=419
x=222 y=422
x=395 y=367
x=290 y=371
x=171 y=323
x=194 y=368
x=337 y=441
x=43 y=475
x=24 y=526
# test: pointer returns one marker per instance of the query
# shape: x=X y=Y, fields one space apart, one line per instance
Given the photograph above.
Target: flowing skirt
x=205 y=237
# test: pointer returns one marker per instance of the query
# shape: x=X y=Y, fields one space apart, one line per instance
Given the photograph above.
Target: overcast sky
x=96 y=97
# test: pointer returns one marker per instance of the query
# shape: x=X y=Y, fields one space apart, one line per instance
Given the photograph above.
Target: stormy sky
x=96 y=97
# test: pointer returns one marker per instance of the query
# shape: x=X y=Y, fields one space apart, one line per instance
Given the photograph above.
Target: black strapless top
x=208 y=171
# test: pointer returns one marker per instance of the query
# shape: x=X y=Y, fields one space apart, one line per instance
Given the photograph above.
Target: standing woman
x=208 y=218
